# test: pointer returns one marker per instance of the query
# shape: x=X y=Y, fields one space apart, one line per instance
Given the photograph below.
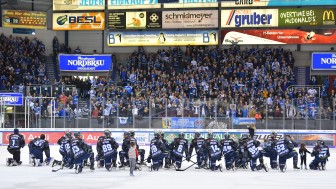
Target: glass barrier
x=302 y=113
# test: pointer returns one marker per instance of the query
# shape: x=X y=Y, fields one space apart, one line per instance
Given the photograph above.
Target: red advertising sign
x=278 y=36
x=53 y=136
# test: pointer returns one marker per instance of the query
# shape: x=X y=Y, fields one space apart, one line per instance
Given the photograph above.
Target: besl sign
x=79 y=21
x=85 y=63
x=323 y=61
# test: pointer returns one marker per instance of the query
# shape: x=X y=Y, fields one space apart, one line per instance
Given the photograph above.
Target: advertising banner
x=190 y=19
x=183 y=123
x=192 y=4
x=79 y=21
x=270 y=3
x=241 y=18
x=24 y=19
x=134 y=20
x=306 y=17
x=11 y=99
x=78 y=5
x=243 y=121
x=323 y=61
x=278 y=36
x=144 y=136
x=133 y=4
x=163 y=38
x=85 y=63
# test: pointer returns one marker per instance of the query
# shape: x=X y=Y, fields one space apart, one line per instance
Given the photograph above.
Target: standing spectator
x=251 y=127
x=132 y=154
x=303 y=155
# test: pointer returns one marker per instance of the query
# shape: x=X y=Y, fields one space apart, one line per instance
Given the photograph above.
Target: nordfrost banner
x=278 y=36
x=85 y=63
x=240 y=18
x=190 y=19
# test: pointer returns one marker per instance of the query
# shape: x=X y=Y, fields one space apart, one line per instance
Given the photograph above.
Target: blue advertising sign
x=243 y=121
x=11 y=99
x=323 y=61
x=85 y=63
x=187 y=123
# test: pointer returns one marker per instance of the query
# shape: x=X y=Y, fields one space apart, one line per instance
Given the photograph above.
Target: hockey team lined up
x=241 y=154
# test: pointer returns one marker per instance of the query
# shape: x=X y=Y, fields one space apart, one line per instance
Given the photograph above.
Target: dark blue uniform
x=107 y=150
x=123 y=154
x=285 y=149
x=81 y=151
x=156 y=152
x=251 y=146
x=214 y=151
x=320 y=154
x=179 y=146
x=36 y=149
x=270 y=151
x=229 y=149
x=199 y=144
x=15 y=143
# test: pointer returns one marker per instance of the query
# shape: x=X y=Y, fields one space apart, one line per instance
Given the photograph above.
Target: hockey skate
x=79 y=169
x=9 y=161
x=219 y=167
x=265 y=166
x=283 y=169
x=296 y=167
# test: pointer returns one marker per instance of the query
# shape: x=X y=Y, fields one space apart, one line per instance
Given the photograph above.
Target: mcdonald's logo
x=328 y=17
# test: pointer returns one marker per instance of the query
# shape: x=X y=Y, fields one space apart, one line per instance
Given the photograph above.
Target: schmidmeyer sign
x=190 y=19
x=249 y=18
x=86 y=63
x=323 y=61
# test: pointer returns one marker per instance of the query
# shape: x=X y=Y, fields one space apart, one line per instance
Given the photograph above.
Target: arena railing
x=164 y=113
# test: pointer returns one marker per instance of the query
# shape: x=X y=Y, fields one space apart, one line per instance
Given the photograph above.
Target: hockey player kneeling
x=320 y=154
x=214 y=151
x=36 y=149
x=81 y=151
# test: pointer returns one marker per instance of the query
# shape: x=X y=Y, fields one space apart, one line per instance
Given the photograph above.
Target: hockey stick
x=55 y=170
x=186 y=167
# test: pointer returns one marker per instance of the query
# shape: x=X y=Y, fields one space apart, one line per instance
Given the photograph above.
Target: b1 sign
x=323 y=61
x=85 y=63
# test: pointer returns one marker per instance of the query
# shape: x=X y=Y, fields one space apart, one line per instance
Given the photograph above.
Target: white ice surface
x=24 y=176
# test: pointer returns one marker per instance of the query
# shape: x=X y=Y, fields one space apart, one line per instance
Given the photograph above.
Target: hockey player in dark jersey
x=251 y=146
x=156 y=152
x=243 y=156
x=107 y=150
x=140 y=151
x=123 y=154
x=214 y=152
x=15 y=143
x=268 y=150
x=199 y=144
x=62 y=141
x=320 y=154
x=36 y=149
x=229 y=149
x=81 y=151
x=167 y=159
x=285 y=148
x=179 y=146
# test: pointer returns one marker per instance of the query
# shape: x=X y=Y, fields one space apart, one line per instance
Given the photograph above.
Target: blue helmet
x=107 y=133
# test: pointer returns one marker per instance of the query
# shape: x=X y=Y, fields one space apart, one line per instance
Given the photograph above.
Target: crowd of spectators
x=21 y=63
x=199 y=81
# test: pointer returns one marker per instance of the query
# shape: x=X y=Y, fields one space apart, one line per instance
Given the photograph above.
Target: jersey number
x=107 y=148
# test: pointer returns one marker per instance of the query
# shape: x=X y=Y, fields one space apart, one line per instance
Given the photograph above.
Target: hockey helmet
x=210 y=134
x=131 y=133
x=107 y=133
x=181 y=135
x=77 y=134
x=245 y=136
x=157 y=134
x=227 y=136
x=197 y=134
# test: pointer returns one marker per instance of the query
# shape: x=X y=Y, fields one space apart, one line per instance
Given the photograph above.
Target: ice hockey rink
x=25 y=176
